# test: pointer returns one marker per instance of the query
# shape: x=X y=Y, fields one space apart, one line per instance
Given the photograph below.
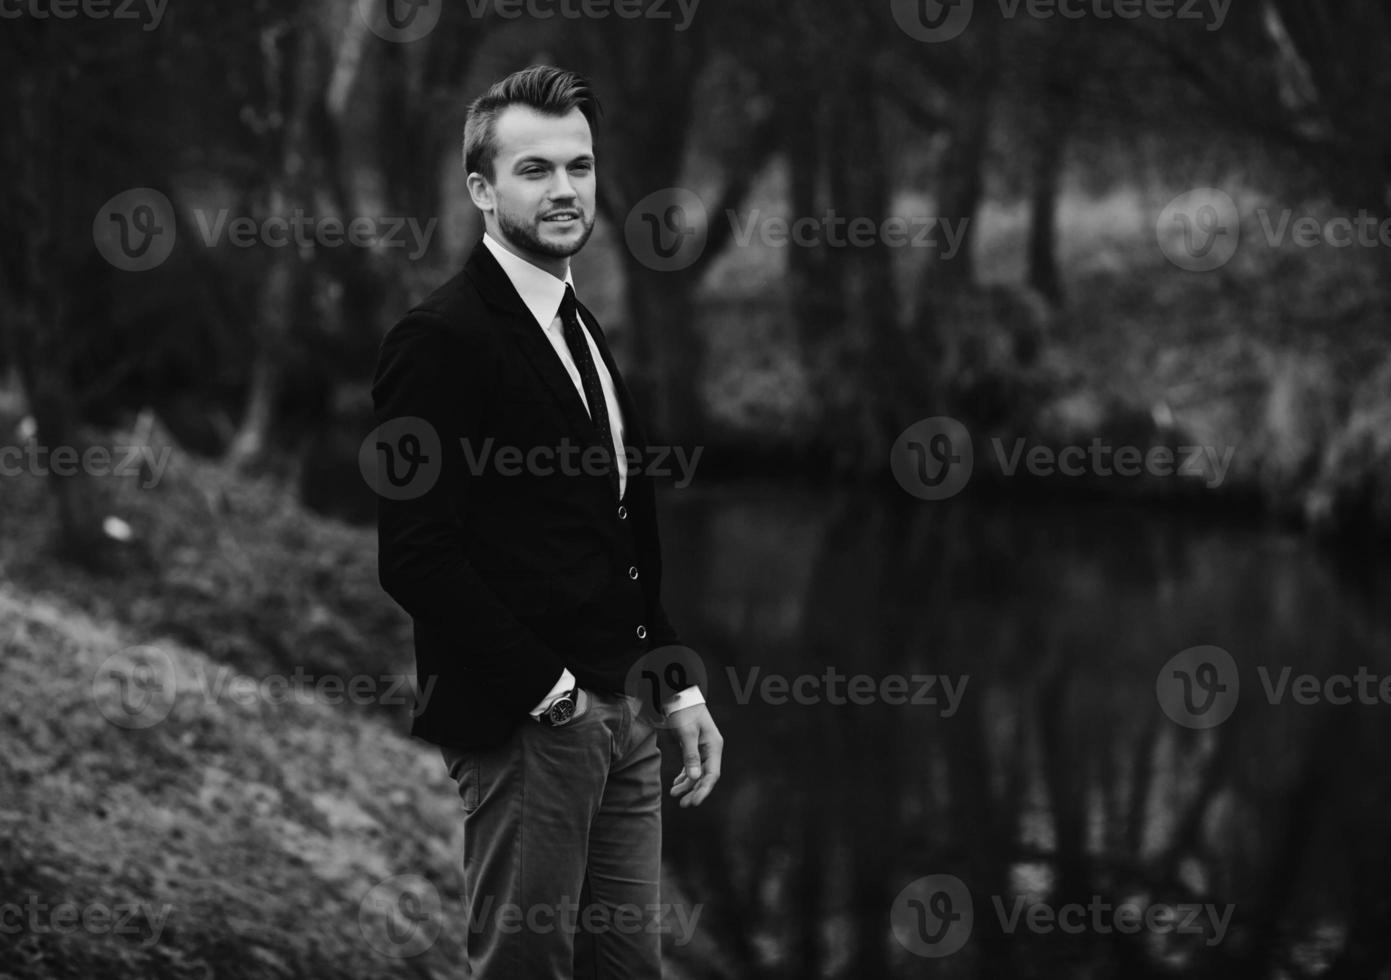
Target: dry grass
x=259 y=828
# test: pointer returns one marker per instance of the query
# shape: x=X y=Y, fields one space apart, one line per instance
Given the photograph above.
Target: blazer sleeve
x=660 y=632
x=428 y=369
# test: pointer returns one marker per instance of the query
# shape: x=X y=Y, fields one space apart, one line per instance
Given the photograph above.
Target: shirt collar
x=539 y=290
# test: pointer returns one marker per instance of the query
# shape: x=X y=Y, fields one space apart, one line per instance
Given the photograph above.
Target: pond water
x=1023 y=781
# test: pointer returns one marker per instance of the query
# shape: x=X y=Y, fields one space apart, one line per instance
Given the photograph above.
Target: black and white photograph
x=695 y=489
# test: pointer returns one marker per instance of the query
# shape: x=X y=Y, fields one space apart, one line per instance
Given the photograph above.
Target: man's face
x=542 y=193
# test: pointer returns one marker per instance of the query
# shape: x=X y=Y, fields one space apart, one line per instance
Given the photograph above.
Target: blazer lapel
x=517 y=320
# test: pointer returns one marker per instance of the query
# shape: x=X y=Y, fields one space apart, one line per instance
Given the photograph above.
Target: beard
x=526 y=235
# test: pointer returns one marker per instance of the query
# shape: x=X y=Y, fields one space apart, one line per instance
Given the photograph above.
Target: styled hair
x=553 y=91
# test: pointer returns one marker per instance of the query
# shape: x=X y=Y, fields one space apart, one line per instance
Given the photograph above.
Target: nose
x=561 y=188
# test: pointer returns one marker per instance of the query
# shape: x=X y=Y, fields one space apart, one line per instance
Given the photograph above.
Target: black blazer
x=509 y=578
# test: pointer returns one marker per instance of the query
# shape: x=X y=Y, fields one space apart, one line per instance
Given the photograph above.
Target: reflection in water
x=1092 y=834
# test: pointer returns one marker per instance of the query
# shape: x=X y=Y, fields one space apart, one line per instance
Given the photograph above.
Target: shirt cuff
x=683 y=699
x=566 y=683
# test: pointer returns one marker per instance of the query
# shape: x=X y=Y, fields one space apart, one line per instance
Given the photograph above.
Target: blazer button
x=622 y=513
x=642 y=632
x=632 y=571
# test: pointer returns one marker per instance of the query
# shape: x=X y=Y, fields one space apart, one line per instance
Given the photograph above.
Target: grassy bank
x=237 y=809
x=239 y=831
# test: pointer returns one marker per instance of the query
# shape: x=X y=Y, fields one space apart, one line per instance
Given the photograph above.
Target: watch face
x=562 y=711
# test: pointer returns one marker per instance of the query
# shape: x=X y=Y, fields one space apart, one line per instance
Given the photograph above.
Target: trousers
x=562 y=848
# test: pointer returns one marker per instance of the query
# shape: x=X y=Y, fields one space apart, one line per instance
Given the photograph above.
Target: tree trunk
x=286 y=192
x=41 y=198
x=668 y=354
x=1044 y=275
x=961 y=176
x=252 y=441
x=862 y=361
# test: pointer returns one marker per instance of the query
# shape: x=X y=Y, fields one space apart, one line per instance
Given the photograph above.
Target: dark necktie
x=589 y=378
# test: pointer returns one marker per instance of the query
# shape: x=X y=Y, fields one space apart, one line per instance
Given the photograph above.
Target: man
x=535 y=593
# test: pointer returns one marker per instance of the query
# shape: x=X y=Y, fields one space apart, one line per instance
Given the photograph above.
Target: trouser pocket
x=463 y=769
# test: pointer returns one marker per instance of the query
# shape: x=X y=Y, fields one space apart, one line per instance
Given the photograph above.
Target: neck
x=557 y=267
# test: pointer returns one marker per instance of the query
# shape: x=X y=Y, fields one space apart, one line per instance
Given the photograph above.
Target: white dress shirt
x=542 y=293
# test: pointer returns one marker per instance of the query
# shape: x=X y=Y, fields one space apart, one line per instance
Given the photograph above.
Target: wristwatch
x=561 y=710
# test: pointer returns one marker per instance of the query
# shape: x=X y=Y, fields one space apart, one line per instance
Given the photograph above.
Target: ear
x=481 y=192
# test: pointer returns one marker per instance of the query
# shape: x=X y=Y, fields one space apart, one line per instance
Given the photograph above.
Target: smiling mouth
x=560 y=217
